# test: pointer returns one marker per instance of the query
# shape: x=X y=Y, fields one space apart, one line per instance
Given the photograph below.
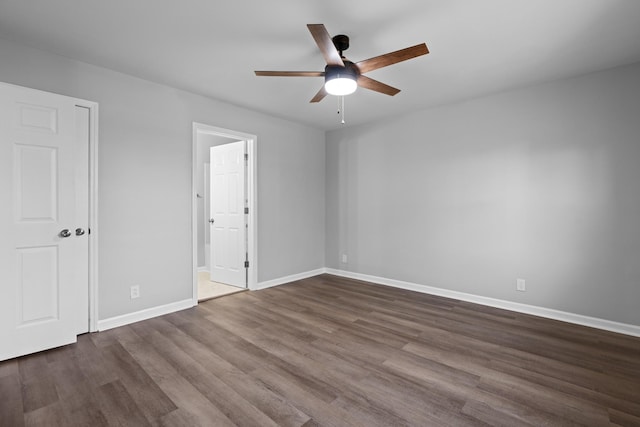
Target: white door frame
x=92 y=316
x=93 y=211
x=252 y=186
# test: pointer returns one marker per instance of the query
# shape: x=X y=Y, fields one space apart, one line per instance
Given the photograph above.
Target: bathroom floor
x=208 y=289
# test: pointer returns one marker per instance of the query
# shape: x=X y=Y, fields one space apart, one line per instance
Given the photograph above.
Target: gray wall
x=145 y=179
x=541 y=183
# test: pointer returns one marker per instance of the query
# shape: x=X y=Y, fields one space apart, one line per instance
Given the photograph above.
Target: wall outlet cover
x=135 y=292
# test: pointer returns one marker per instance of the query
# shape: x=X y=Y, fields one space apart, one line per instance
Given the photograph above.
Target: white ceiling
x=212 y=47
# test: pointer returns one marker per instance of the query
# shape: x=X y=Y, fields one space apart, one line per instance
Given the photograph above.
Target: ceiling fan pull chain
x=342 y=108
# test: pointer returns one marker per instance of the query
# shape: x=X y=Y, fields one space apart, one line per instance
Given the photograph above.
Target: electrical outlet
x=135 y=291
x=344 y=258
x=520 y=285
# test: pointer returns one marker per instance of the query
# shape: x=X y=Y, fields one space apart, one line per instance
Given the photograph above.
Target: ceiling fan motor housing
x=341 y=42
x=350 y=71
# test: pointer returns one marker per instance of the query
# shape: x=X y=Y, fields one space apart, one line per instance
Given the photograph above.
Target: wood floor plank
x=148 y=395
x=326 y=384
x=339 y=366
x=52 y=415
x=275 y=406
x=620 y=418
x=369 y=412
x=418 y=405
x=181 y=418
x=303 y=398
x=91 y=362
x=300 y=323
x=38 y=388
x=181 y=391
x=68 y=379
x=205 y=365
x=331 y=351
x=585 y=393
x=411 y=366
x=483 y=412
x=119 y=407
x=234 y=406
x=83 y=409
x=546 y=399
x=10 y=367
x=494 y=409
x=11 y=406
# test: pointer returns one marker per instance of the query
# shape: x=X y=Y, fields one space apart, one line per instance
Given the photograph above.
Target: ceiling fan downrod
x=341 y=42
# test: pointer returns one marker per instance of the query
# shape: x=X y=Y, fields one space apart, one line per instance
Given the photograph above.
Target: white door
x=43 y=220
x=228 y=220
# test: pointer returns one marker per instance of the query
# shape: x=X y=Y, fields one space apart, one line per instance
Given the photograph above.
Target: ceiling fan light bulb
x=340 y=86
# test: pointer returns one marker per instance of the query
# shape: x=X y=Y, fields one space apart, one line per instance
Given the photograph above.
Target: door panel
x=37 y=283
x=228 y=230
x=35 y=183
x=42 y=177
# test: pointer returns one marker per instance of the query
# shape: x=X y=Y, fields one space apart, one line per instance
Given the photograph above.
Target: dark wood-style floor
x=332 y=352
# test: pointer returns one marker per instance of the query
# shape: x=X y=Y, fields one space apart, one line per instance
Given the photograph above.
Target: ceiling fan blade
x=392 y=58
x=290 y=73
x=320 y=95
x=324 y=42
x=371 y=84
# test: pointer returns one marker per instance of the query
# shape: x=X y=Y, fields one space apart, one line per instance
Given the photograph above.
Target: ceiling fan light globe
x=341 y=86
x=339 y=80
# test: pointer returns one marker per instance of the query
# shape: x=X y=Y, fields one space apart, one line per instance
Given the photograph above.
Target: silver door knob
x=64 y=233
x=79 y=231
x=211 y=220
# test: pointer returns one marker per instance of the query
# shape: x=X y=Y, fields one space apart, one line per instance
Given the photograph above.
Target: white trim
x=288 y=279
x=145 y=314
x=593 y=322
x=203 y=269
x=252 y=190
x=93 y=212
x=252 y=196
x=578 y=319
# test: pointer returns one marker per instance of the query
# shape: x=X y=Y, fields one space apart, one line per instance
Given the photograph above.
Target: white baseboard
x=204 y=268
x=593 y=322
x=287 y=279
x=148 y=313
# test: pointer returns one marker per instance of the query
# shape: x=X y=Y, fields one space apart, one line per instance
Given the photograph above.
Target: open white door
x=43 y=220
x=228 y=226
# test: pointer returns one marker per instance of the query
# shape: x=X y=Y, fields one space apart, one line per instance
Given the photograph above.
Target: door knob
x=64 y=233
x=211 y=220
x=79 y=231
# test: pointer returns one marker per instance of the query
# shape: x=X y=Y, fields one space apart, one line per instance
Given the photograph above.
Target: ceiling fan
x=342 y=76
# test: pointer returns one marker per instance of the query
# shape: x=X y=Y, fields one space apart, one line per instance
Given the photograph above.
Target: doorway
x=203 y=220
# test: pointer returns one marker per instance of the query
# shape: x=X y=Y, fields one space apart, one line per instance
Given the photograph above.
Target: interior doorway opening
x=203 y=222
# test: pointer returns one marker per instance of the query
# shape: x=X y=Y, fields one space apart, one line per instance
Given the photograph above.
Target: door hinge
x=246 y=264
x=246 y=156
x=246 y=211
